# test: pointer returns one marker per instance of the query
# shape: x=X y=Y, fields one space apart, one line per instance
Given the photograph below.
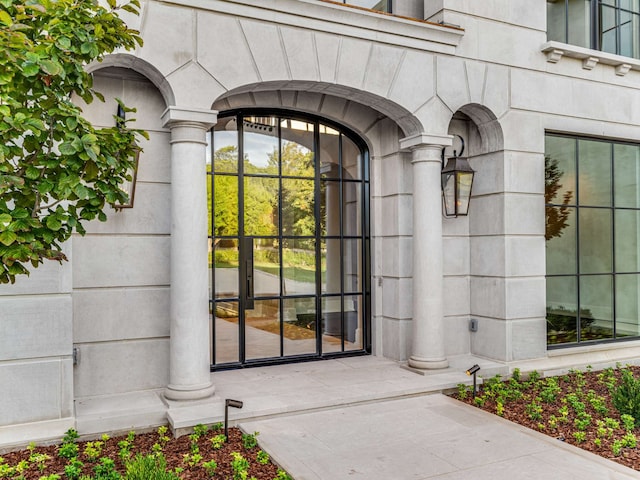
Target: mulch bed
x=174 y=451
x=547 y=413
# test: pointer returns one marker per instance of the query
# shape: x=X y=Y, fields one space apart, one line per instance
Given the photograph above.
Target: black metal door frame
x=245 y=244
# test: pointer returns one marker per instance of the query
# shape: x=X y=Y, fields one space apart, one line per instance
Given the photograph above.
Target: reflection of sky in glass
x=223 y=139
x=258 y=147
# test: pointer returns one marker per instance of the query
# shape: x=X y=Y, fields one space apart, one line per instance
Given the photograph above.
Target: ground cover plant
x=205 y=454
x=598 y=411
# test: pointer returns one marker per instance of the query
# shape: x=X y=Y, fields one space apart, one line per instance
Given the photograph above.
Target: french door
x=288 y=238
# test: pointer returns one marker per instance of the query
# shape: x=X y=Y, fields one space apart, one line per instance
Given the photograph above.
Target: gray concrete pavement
x=426 y=437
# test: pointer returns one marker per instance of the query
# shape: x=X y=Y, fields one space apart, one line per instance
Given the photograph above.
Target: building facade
x=288 y=204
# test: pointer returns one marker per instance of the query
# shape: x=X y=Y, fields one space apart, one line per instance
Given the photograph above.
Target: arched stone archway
x=500 y=244
x=142 y=67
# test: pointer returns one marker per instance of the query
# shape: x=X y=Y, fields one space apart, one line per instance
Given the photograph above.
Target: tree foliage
x=56 y=169
x=557 y=218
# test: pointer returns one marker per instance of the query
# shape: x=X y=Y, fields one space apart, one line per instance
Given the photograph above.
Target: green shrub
x=249 y=440
x=106 y=470
x=626 y=396
x=149 y=467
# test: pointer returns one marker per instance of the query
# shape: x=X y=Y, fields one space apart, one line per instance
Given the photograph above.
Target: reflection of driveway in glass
x=266 y=284
x=262 y=342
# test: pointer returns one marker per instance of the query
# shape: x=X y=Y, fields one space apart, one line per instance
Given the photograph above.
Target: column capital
x=196 y=117
x=424 y=140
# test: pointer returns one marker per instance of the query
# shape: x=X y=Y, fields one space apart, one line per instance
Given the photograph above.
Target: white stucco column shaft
x=189 y=363
x=428 y=327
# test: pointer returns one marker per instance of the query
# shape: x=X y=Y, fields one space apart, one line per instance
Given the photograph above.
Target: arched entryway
x=288 y=238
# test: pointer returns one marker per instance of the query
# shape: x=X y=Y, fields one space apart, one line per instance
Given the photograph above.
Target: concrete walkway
x=370 y=418
x=427 y=437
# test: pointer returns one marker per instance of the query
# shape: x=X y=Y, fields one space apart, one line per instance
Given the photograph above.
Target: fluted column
x=189 y=362
x=428 y=324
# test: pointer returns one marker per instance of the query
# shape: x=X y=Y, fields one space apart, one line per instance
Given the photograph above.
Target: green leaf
x=32 y=173
x=51 y=67
x=91 y=170
x=64 y=43
x=7 y=237
x=81 y=191
x=66 y=149
x=53 y=223
x=71 y=122
x=5 y=18
x=20 y=213
x=30 y=69
x=5 y=220
x=89 y=138
x=35 y=123
x=45 y=186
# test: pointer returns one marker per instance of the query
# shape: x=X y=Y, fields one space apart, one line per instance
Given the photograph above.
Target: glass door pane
x=226 y=336
x=262 y=330
x=299 y=326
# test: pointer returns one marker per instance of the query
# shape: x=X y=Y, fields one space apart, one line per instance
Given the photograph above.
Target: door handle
x=248 y=267
x=250 y=292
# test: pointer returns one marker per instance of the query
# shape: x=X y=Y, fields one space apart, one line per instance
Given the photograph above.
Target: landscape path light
x=229 y=403
x=472 y=371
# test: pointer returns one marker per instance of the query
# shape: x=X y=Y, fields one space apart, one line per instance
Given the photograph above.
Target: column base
x=427 y=363
x=189 y=392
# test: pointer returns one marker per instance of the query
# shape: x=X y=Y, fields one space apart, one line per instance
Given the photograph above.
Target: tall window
x=381 y=5
x=592 y=194
x=609 y=25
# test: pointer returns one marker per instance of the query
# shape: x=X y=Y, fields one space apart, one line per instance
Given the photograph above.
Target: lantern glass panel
x=449 y=192
x=465 y=179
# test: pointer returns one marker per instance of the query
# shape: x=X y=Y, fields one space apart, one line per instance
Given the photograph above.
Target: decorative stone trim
x=623 y=69
x=554 y=56
x=335 y=19
x=173 y=115
x=590 y=58
x=421 y=139
x=589 y=63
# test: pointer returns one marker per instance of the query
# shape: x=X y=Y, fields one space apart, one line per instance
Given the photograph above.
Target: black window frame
x=595 y=24
x=576 y=206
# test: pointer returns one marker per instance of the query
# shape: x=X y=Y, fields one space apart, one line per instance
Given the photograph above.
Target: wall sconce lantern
x=457 y=179
x=128 y=186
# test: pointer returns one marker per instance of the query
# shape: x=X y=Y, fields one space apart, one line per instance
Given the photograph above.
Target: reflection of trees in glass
x=260 y=199
x=556 y=217
x=297 y=195
x=226 y=192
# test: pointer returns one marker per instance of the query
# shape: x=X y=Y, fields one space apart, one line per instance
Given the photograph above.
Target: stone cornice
x=590 y=58
x=340 y=20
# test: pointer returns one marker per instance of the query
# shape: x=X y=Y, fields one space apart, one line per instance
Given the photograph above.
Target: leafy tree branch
x=56 y=169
